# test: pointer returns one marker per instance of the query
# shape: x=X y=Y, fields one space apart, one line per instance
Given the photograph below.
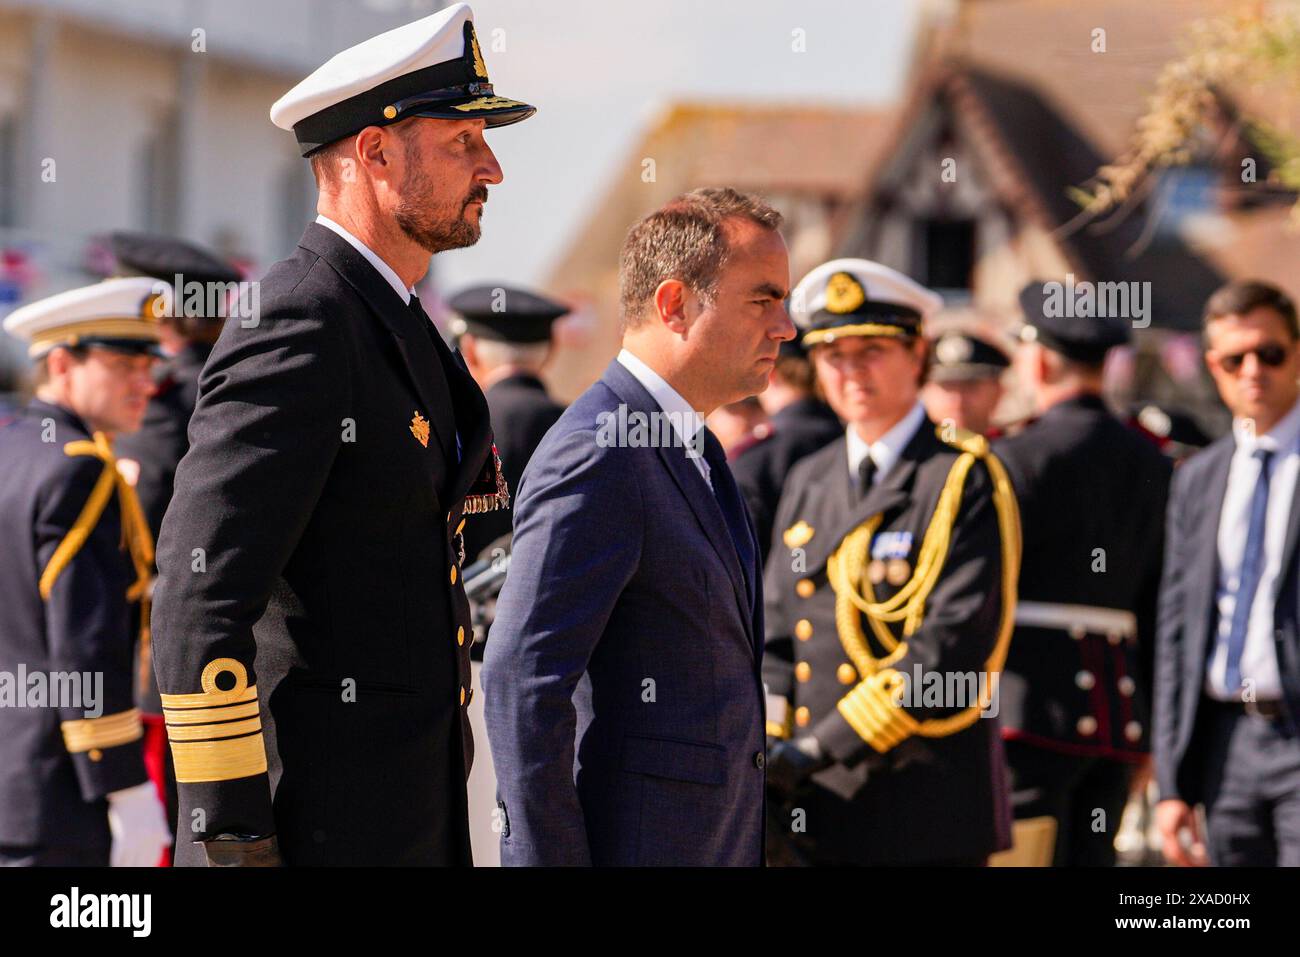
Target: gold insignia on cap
x=480 y=68
x=798 y=535
x=390 y=111
x=420 y=429
x=149 y=309
x=844 y=294
x=487 y=103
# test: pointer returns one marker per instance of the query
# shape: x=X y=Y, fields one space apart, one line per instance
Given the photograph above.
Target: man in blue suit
x=1227 y=717
x=624 y=697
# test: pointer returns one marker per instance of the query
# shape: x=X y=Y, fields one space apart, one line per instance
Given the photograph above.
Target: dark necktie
x=866 y=475
x=1252 y=568
x=727 y=493
x=445 y=358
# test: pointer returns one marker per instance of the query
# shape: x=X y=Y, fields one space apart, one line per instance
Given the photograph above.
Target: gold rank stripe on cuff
x=109 y=731
x=871 y=712
x=216 y=735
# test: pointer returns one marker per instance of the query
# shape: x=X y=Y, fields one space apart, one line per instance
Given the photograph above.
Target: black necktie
x=445 y=358
x=866 y=475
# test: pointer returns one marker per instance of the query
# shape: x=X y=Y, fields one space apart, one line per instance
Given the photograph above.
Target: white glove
x=139 y=826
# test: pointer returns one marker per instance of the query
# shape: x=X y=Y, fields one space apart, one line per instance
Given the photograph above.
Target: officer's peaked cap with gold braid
x=431 y=67
x=857 y=297
x=121 y=314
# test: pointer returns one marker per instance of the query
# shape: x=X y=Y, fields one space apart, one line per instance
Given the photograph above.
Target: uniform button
x=1114 y=637
x=803 y=629
x=1127 y=686
x=801 y=717
x=1077 y=632
x=805 y=588
x=95 y=754
x=760 y=760
x=453 y=574
x=1087 y=726
x=1133 y=731
x=1085 y=680
x=462 y=694
x=460 y=635
x=846 y=673
x=802 y=671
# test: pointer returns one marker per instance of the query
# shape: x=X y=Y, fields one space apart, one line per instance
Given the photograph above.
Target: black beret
x=959 y=356
x=165 y=257
x=506 y=313
x=1056 y=319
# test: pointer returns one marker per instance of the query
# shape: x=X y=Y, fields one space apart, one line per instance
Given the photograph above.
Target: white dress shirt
x=680 y=413
x=886 y=449
x=381 y=267
x=1258 y=657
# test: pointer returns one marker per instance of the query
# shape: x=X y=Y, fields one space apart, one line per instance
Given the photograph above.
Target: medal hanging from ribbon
x=489 y=492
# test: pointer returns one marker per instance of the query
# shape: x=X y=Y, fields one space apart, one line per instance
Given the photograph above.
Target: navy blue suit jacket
x=622 y=684
x=1188 y=617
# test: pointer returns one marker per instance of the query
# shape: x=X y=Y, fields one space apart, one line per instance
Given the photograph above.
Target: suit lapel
x=703 y=503
x=424 y=371
x=1202 y=584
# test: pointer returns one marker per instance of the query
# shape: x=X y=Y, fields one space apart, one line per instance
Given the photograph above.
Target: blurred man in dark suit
x=1228 y=659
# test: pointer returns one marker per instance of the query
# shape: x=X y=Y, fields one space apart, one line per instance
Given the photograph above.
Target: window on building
x=948 y=255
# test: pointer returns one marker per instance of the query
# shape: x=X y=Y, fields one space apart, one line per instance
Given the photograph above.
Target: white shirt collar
x=680 y=413
x=1283 y=437
x=381 y=267
x=886 y=449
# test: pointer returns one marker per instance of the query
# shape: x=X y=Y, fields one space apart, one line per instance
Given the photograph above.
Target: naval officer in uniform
x=310 y=624
x=1092 y=495
x=506 y=341
x=77 y=557
x=895 y=570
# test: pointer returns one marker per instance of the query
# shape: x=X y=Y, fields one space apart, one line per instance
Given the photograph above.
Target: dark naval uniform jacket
x=761 y=470
x=310 y=625
x=1092 y=495
x=64 y=612
x=521 y=413
x=921 y=780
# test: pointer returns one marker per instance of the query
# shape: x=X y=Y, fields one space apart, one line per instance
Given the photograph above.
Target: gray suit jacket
x=1188 y=615
x=624 y=701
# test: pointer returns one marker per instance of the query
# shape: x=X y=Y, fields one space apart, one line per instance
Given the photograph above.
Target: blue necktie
x=1252 y=566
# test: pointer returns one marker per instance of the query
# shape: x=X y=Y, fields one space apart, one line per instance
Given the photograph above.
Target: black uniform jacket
x=761 y=470
x=310 y=628
x=914 y=783
x=1092 y=495
x=521 y=413
x=65 y=621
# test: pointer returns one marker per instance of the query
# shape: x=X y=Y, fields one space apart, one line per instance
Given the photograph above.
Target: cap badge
x=844 y=294
x=150 y=311
x=953 y=350
x=480 y=68
x=420 y=429
x=798 y=535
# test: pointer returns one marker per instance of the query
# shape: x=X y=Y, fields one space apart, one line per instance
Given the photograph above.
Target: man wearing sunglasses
x=1228 y=654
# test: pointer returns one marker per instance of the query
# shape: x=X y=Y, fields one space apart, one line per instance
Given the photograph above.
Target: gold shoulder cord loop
x=135 y=532
x=845 y=568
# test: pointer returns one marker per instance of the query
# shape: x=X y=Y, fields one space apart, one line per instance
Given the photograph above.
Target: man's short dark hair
x=684 y=240
x=1245 y=295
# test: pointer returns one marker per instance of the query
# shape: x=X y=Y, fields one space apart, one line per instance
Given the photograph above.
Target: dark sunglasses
x=1271 y=355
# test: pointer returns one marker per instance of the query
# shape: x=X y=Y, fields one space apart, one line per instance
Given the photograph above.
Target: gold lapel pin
x=420 y=429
